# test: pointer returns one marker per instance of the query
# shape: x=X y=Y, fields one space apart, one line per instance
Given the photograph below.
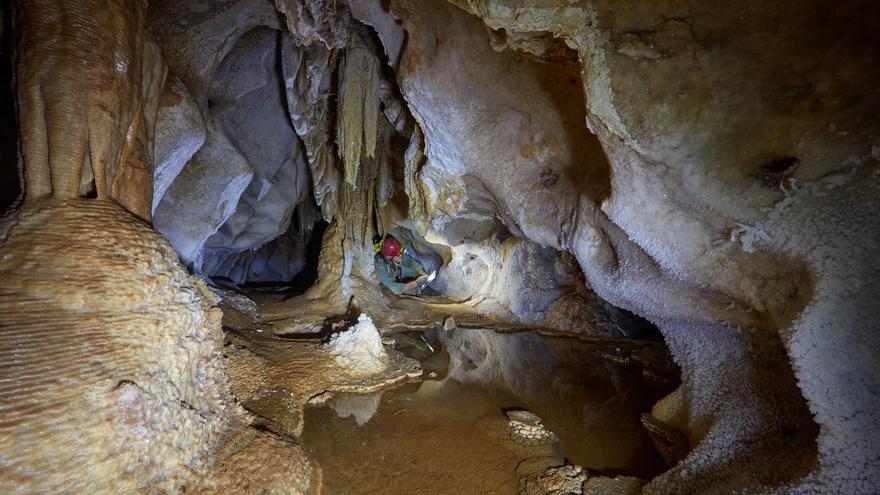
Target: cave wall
x=734 y=245
x=228 y=198
x=237 y=195
x=228 y=210
x=713 y=171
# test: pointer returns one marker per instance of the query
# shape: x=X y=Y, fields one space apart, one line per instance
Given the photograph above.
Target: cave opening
x=400 y=246
x=264 y=228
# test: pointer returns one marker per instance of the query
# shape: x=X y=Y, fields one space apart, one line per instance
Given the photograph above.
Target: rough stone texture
x=359 y=348
x=203 y=196
x=281 y=259
x=252 y=461
x=248 y=100
x=527 y=429
x=196 y=36
x=112 y=380
x=180 y=132
x=562 y=480
x=308 y=74
x=515 y=279
x=357 y=114
x=265 y=174
x=107 y=341
x=86 y=122
x=349 y=191
x=375 y=14
x=197 y=39
x=276 y=379
x=315 y=21
x=525 y=153
x=132 y=184
x=734 y=203
x=618 y=485
x=750 y=253
x=246 y=183
x=124 y=351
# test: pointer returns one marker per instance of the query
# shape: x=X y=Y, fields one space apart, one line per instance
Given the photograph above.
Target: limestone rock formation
x=112 y=377
x=254 y=461
x=527 y=429
x=124 y=352
x=308 y=73
x=243 y=186
x=513 y=279
x=359 y=348
x=83 y=131
x=180 y=132
x=710 y=168
x=562 y=480
x=261 y=75
x=619 y=485
x=276 y=380
x=679 y=224
x=203 y=196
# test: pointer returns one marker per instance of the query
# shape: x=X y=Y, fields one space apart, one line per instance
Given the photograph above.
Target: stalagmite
x=113 y=380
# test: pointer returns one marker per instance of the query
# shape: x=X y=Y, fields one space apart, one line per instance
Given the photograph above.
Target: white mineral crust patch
x=359 y=349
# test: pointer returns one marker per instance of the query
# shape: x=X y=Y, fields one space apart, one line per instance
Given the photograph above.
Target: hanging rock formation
x=82 y=130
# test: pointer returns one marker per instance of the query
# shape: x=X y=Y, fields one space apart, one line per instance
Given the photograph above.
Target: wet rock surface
x=526 y=429
x=563 y=480
x=276 y=378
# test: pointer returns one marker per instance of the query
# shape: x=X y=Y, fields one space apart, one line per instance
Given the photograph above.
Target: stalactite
x=308 y=75
x=358 y=104
x=314 y=22
x=413 y=159
x=385 y=177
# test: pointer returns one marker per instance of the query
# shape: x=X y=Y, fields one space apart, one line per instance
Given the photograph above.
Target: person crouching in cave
x=399 y=269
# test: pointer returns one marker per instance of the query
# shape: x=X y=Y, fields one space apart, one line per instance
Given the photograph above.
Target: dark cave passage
x=10 y=181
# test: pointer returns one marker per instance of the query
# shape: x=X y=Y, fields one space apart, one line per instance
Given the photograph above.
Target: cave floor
x=434 y=421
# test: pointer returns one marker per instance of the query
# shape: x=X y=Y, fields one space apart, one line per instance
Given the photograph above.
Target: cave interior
x=645 y=234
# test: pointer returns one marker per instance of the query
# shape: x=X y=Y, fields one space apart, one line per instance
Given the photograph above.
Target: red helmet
x=391 y=247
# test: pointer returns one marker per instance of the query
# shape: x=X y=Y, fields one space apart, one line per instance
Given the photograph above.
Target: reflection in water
x=450 y=434
x=361 y=407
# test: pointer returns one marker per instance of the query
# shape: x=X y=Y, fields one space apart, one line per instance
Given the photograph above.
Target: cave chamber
x=439 y=246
